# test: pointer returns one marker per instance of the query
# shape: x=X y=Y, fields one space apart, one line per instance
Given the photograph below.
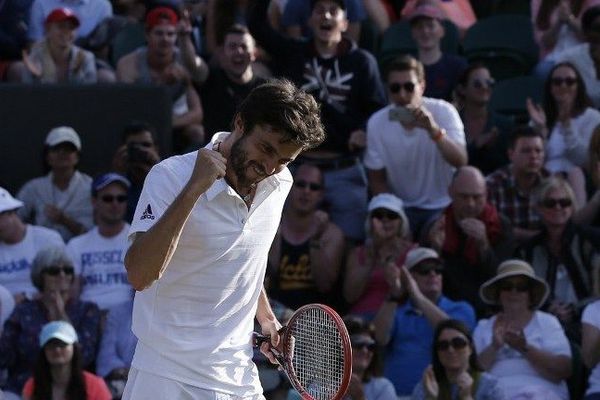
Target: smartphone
x=402 y=114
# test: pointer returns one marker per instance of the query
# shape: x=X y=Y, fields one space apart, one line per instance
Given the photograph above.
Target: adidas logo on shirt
x=147 y=213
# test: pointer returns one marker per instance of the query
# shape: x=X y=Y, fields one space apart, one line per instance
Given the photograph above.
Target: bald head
x=468 y=192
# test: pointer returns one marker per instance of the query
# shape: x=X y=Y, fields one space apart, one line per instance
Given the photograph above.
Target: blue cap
x=104 y=180
x=60 y=330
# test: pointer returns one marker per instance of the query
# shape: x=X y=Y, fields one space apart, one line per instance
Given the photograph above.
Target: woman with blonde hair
x=565 y=254
x=388 y=241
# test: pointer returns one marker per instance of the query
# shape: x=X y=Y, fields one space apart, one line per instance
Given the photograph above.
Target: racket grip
x=258 y=339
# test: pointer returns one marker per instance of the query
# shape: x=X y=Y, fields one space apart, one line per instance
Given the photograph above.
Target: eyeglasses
x=483 y=83
x=551 y=203
x=509 y=286
x=381 y=213
x=396 y=86
x=457 y=343
x=54 y=270
x=559 y=81
x=312 y=186
x=109 y=198
x=425 y=269
x=364 y=345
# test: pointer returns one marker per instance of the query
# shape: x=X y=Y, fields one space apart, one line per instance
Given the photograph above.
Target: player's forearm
x=264 y=312
x=150 y=253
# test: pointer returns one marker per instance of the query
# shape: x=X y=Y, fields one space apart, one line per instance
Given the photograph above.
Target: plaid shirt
x=511 y=202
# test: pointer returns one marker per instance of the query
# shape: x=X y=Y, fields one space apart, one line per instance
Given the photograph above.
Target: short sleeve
x=591 y=314
x=554 y=339
x=373 y=155
x=160 y=189
x=482 y=335
x=448 y=118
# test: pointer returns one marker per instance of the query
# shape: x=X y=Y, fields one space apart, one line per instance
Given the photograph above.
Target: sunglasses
x=315 y=187
x=108 y=198
x=483 y=83
x=457 y=343
x=567 y=81
x=364 y=345
x=55 y=270
x=395 y=87
x=520 y=287
x=424 y=270
x=382 y=213
x=551 y=203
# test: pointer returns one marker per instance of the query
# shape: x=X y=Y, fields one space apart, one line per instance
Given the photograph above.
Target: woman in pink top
x=388 y=241
x=58 y=374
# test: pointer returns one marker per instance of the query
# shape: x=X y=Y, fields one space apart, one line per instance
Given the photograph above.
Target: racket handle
x=258 y=339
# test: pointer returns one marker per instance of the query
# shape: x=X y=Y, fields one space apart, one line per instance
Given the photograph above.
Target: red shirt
x=94 y=385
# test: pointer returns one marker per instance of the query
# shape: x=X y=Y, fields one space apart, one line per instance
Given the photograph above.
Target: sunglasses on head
x=425 y=269
x=560 y=81
x=551 y=203
x=483 y=83
x=54 y=270
x=457 y=343
x=109 y=198
x=396 y=86
x=381 y=213
x=509 y=286
x=312 y=186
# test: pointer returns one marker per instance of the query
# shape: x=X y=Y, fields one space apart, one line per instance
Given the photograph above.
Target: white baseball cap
x=419 y=254
x=60 y=330
x=7 y=202
x=387 y=201
x=62 y=134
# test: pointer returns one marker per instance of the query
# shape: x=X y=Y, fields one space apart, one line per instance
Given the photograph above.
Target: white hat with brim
x=539 y=292
x=7 y=202
x=63 y=134
x=60 y=330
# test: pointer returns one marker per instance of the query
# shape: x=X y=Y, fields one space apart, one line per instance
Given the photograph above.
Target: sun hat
x=539 y=292
x=60 y=330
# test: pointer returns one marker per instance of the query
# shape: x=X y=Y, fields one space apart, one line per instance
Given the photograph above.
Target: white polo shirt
x=194 y=324
x=415 y=168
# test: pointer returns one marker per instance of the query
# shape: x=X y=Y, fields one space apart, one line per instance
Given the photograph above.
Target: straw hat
x=539 y=292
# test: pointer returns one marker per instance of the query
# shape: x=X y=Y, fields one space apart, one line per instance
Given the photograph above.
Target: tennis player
x=200 y=239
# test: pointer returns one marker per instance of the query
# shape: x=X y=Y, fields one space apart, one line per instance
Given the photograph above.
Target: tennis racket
x=314 y=352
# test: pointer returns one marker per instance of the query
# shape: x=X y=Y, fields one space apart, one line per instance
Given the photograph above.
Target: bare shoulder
x=127 y=70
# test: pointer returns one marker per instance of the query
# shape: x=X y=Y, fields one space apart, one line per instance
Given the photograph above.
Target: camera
x=136 y=154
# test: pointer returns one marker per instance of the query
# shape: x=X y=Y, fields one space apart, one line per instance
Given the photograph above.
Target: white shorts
x=143 y=385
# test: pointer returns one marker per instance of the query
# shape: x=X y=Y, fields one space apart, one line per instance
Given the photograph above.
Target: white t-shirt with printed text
x=194 y=324
x=415 y=168
x=16 y=259
x=98 y=260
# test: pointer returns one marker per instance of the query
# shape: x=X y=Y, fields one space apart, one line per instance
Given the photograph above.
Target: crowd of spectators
x=461 y=244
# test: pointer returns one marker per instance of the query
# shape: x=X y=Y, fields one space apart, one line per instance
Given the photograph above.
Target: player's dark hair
x=287 y=110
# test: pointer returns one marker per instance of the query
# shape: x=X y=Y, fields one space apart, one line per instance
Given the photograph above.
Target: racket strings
x=318 y=356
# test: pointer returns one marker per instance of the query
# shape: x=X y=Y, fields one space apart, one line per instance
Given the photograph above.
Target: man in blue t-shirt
x=406 y=320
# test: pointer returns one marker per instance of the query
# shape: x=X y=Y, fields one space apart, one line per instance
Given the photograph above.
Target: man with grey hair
x=19 y=243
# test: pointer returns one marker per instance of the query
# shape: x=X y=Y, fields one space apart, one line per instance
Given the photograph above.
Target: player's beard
x=240 y=164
